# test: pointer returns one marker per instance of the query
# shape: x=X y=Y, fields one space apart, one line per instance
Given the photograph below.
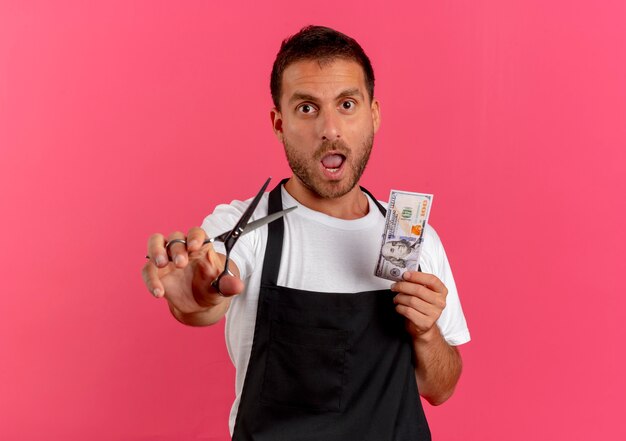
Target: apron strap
x=275 y=233
x=382 y=209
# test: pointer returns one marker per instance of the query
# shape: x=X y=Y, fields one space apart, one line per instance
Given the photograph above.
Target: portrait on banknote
x=403 y=253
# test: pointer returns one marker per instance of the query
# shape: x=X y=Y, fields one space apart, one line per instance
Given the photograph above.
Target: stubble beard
x=305 y=169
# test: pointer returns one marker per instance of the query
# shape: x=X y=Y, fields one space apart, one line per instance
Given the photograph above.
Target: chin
x=332 y=189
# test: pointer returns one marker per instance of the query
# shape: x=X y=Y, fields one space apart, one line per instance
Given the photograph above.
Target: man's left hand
x=421 y=299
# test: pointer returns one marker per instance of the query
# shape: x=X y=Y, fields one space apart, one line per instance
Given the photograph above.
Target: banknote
x=401 y=246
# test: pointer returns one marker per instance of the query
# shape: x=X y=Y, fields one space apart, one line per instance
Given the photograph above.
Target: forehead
x=325 y=79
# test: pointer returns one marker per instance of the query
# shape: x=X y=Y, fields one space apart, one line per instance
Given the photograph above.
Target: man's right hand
x=185 y=281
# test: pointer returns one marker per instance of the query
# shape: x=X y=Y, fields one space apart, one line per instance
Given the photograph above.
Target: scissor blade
x=267 y=219
x=234 y=234
x=257 y=223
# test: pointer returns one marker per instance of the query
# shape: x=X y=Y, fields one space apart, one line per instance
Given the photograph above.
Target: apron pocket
x=305 y=367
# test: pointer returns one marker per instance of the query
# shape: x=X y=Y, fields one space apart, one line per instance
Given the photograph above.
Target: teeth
x=332 y=170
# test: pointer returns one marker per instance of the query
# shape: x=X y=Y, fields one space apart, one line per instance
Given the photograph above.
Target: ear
x=375 y=109
x=277 y=123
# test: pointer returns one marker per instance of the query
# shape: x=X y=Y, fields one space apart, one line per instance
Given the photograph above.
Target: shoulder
x=431 y=238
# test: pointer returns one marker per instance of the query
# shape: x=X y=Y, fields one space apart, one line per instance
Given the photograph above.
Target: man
x=324 y=350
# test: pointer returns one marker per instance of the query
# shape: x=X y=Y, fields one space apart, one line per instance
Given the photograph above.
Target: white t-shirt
x=323 y=254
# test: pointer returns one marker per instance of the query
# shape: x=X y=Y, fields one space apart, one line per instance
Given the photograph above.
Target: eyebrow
x=350 y=92
x=300 y=96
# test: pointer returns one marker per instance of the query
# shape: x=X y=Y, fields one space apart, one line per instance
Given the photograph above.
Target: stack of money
x=406 y=219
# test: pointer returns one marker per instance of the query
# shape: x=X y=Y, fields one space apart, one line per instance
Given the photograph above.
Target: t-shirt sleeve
x=224 y=218
x=452 y=321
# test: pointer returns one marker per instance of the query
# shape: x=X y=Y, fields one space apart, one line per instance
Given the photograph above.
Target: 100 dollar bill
x=401 y=247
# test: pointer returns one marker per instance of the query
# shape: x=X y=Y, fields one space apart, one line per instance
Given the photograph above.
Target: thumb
x=230 y=285
x=202 y=289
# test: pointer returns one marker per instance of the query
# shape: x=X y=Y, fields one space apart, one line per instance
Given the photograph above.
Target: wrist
x=205 y=316
x=429 y=336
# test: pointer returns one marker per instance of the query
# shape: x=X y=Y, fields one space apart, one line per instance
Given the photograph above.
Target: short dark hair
x=322 y=44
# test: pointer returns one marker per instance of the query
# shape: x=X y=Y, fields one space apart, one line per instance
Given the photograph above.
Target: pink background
x=122 y=118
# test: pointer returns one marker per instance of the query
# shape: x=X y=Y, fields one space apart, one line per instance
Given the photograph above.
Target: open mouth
x=332 y=162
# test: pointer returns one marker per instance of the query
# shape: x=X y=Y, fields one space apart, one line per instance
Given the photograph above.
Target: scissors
x=230 y=238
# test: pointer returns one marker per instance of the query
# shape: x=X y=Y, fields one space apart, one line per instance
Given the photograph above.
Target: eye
x=305 y=108
x=348 y=105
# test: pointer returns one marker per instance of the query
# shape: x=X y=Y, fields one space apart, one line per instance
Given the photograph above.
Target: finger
x=218 y=260
x=230 y=285
x=417 y=304
x=204 y=273
x=195 y=238
x=202 y=284
x=178 y=251
x=150 y=275
x=422 y=292
x=421 y=321
x=429 y=280
x=414 y=289
x=156 y=250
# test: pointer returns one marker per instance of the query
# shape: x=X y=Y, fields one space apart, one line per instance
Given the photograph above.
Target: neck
x=350 y=206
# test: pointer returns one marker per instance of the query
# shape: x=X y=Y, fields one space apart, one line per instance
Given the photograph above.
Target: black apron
x=327 y=366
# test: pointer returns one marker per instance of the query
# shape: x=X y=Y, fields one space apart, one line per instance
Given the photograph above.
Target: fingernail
x=160 y=260
x=193 y=244
x=393 y=287
x=406 y=275
x=157 y=292
x=178 y=260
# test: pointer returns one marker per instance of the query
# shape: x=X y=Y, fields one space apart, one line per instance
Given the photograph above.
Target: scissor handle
x=216 y=283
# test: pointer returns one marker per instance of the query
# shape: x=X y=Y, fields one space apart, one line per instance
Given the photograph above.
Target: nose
x=330 y=126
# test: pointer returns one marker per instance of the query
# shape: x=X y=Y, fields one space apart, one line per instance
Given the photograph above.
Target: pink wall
x=117 y=120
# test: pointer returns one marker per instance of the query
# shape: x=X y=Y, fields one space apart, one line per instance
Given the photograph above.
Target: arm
x=185 y=282
x=437 y=366
x=421 y=299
